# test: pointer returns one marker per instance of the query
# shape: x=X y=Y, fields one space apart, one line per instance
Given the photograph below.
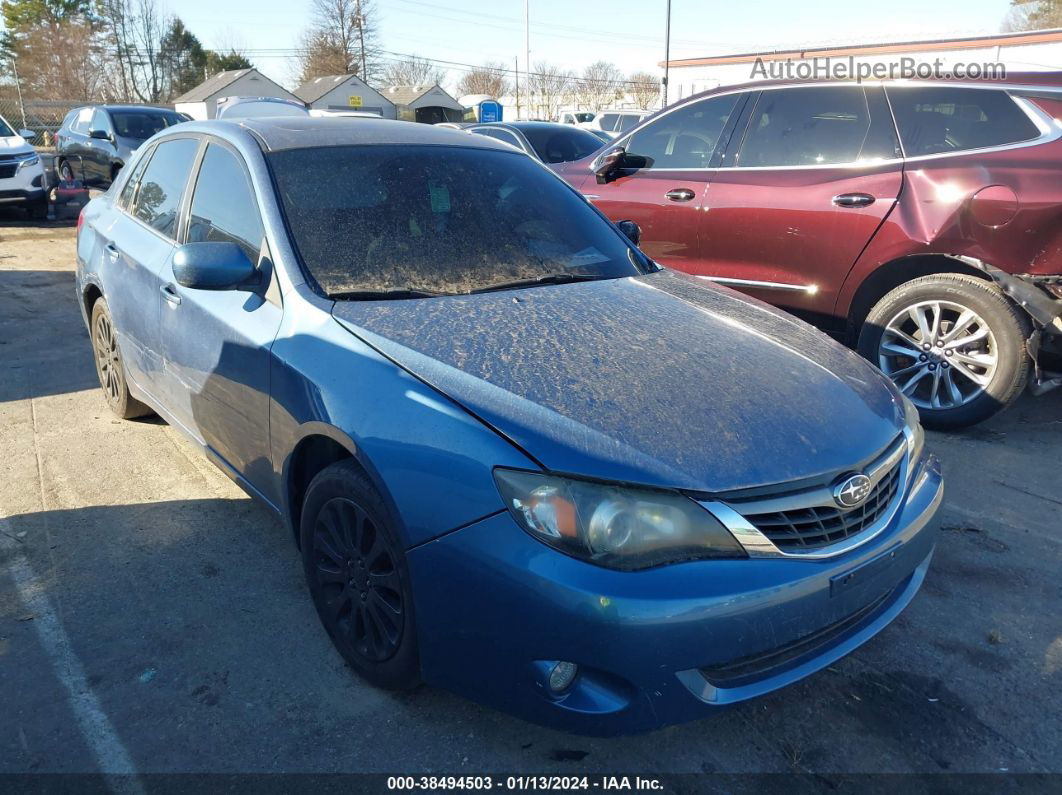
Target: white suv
x=616 y=122
x=21 y=172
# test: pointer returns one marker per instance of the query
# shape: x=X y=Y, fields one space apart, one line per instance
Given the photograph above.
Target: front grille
x=760 y=665
x=7 y=170
x=822 y=525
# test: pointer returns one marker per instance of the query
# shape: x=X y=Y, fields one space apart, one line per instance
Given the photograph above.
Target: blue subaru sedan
x=520 y=460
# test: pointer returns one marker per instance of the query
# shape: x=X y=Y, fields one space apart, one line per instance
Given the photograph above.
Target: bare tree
x=644 y=89
x=598 y=85
x=1033 y=15
x=134 y=29
x=413 y=71
x=341 y=40
x=549 y=88
x=491 y=79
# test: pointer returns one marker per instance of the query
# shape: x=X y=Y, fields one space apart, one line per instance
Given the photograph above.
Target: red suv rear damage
x=918 y=220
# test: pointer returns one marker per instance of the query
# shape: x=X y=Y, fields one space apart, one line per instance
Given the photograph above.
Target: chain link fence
x=43 y=116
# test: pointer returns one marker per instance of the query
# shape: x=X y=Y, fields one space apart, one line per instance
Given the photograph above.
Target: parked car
x=452 y=377
x=615 y=122
x=575 y=116
x=96 y=141
x=547 y=141
x=256 y=107
x=21 y=172
x=931 y=243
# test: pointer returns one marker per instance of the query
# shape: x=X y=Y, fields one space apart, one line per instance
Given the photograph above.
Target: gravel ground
x=154 y=619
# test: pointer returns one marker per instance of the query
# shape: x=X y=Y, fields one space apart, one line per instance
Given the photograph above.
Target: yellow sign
x=354 y=102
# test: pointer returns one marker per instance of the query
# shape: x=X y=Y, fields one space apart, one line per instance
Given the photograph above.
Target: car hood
x=660 y=379
x=14 y=145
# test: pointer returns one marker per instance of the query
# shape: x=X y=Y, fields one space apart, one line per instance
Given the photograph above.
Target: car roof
x=131 y=107
x=279 y=133
x=530 y=125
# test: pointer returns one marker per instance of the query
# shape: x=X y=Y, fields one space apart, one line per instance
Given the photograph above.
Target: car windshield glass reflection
x=429 y=220
x=141 y=125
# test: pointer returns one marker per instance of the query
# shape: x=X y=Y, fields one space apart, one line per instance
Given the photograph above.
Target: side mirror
x=606 y=164
x=100 y=135
x=213 y=266
x=27 y=134
x=630 y=230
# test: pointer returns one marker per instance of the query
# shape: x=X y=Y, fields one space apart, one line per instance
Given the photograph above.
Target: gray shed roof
x=212 y=85
x=313 y=90
x=407 y=95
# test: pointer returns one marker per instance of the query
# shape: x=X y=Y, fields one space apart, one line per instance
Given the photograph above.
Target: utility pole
x=527 y=54
x=18 y=88
x=516 y=82
x=667 y=51
x=361 y=40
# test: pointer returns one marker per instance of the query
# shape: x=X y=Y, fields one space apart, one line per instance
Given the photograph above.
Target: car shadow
x=30 y=369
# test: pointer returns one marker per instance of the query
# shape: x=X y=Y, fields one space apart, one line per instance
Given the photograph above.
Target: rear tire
x=109 y=366
x=356 y=570
x=64 y=172
x=953 y=343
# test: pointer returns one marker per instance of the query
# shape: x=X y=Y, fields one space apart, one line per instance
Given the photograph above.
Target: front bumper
x=25 y=186
x=495 y=607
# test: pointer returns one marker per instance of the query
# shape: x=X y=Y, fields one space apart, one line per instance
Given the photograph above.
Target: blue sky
x=573 y=33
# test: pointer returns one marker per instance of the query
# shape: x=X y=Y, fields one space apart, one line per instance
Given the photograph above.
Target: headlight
x=28 y=159
x=614 y=526
x=916 y=436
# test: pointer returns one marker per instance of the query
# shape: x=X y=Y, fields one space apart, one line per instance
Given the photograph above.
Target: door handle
x=680 y=194
x=853 y=200
x=112 y=251
x=169 y=292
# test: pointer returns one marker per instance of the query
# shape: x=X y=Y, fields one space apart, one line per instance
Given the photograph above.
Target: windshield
x=5 y=129
x=140 y=124
x=561 y=144
x=439 y=220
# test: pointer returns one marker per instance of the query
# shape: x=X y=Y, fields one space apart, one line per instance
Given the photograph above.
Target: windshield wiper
x=383 y=295
x=550 y=278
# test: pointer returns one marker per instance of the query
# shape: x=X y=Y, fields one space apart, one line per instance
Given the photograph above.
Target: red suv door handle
x=680 y=194
x=853 y=200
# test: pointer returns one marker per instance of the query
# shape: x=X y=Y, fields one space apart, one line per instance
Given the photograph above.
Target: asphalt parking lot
x=154 y=619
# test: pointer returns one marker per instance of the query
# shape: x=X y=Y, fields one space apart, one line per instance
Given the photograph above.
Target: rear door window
x=125 y=198
x=608 y=121
x=82 y=121
x=627 y=122
x=686 y=137
x=933 y=120
x=223 y=205
x=159 y=195
x=815 y=126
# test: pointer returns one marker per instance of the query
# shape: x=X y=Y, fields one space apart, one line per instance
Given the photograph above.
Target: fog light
x=562 y=676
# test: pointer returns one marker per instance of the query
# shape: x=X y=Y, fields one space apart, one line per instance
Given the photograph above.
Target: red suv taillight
x=81 y=219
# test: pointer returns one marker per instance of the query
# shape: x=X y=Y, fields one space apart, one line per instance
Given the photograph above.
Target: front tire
x=954 y=344
x=358 y=577
x=109 y=366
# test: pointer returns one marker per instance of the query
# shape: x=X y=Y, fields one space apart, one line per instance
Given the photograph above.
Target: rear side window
x=608 y=121
x=684 y=138
x=815 y=126
x=125 y=199
x=159 y=195
x=223 y=205
x=627 y=122
x=935 y=119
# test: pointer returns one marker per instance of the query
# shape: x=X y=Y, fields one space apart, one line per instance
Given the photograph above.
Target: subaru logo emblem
x=852 y=491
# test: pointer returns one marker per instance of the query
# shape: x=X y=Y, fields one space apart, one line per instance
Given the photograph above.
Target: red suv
x=918 y=220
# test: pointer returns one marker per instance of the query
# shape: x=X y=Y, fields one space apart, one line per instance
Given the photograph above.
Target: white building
x=202 y=101
x=1029 y=51
x=345 y=92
